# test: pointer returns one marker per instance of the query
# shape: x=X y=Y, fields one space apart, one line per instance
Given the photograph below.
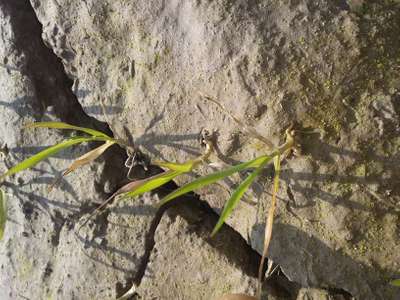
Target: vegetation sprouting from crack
x=171 y=171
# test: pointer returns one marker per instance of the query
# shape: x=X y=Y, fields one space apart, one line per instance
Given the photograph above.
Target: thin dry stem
x=250 y=130
x=269 y=223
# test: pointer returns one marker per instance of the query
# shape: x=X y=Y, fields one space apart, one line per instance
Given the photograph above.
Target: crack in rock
x=54 y=89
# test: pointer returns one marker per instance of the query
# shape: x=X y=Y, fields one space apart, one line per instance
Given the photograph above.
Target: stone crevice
x=54 y=89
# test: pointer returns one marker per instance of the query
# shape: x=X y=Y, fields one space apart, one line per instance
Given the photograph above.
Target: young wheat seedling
x=259 y=163
x=171 y=170
x=91 y=135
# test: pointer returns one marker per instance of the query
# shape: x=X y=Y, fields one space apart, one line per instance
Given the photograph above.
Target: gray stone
x=319 y=64
x=183 y=265
x=40 y=256
x=316 y=294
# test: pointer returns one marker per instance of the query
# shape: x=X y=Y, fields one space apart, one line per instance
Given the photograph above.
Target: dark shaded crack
x=53 y=88
x=201 y=219
x=58 y=221
x=138 y=275
x=230 y=243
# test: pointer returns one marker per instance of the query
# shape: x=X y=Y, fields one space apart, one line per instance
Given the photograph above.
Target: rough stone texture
x=40 y=257
x=183 y=265
x=330 y=66
x=316 y=294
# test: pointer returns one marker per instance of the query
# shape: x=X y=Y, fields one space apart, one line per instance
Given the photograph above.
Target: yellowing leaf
x=184 y=168
x=62 y=125
x=89 y=157
x=3 y=213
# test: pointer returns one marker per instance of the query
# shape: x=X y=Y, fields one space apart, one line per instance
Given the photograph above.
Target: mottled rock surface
x=183 y=265
x=330 y=66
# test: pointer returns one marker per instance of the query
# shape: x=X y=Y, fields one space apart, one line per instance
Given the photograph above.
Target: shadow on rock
x=312 y=263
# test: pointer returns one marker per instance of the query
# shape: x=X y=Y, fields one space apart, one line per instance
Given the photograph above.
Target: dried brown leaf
x=88 y=157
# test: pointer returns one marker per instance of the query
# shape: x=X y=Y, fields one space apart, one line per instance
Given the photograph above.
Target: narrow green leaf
x=395 y=282
x=209 y=179
x=62 y=125
x=237 y=195
x=277 y=165
x=152 y=183
x=135 y=188
x=33 y=160
x=184 y=168
x=3 y=213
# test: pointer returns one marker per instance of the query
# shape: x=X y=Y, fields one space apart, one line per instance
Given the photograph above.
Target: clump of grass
x=91 y=135
x=172 y=170
x=258 y=164
x=139 y=187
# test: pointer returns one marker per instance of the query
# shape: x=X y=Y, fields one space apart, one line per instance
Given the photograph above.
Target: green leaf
x=237 y=195
x=209 y=179
x=152 y=183
x=33 y=160
x=61 y=125
x=184 y=168
x=395 y=282
x=3 y=213
x=277 y=165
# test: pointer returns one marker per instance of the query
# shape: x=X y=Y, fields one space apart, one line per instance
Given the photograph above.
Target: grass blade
x=395 y=282
x=33 y=160
x=152 y=183
x=237 y=195
x=62 y=125
x=89 y=157
x=270 y=222
x=135 y=188
x=206 y=180
x=3 y=213
x=184 y=168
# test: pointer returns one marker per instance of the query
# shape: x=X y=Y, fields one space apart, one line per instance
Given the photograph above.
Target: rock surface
x=183 y=265
x=40 y=256
x=330 y=66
